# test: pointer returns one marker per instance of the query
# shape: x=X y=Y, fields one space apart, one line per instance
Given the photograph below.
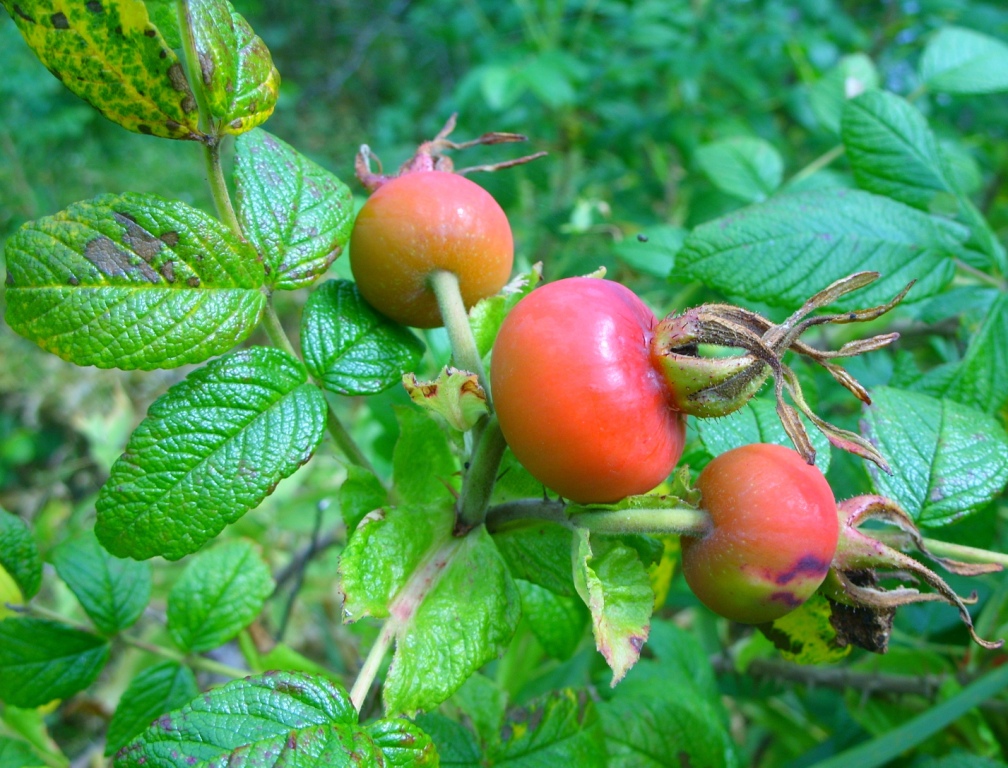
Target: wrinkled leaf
x=453 y=604
x=212 y=448
x=948 y=460
x=792 y=246
x=151 y=693
x=110 y=54
x=612 y=582
x=239 y=79
x=539 y=552
x=218 y=594
x=351 y=348
x=360 y=493
x=113 y=592
x=132 y=281
x=19 y=555
x=455 y=395
x=958 y=60
x=44 y=660
x=805 y=635
x=562 y=728
x=296 y=213
x=488 y=314
x=558 y=622
x=423 y=465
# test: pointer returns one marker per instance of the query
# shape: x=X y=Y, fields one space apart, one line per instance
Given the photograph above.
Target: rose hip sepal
x=710 y=387
x=863 y=610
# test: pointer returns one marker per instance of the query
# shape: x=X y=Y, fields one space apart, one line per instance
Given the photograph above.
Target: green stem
x=369 y=670
x=344 y=441
x=818 y=164
x=683 y=519
x=1000 y=283
x=274 y=329
x=456 y=319
x=480 y=479
x=207 y=125
x=960 y=552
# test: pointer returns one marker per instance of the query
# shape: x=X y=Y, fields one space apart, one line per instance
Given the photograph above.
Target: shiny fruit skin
x=775 y=532
x=421 y=222
x=577 y=396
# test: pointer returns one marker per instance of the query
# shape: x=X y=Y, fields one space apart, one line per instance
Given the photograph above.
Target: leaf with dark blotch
x=114 y=592
x=44 y=660
x=19 y=554
x=351 y=348
x=110 y=54
x=132 y=281
x=211 y=448
x=239 y=79
x=296 y=213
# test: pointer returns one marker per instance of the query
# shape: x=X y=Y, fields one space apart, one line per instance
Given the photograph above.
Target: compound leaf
x=132 y=281
x=296 y=213
x=110 y=54
x=218 y=594
x=948 y=460
x=113 y=592
x=351 y=348
x=239 y=79
x=210 y=449
x=44 y=660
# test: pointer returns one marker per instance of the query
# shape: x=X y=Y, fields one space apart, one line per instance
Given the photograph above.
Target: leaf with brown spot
x=132 y=281
x=112 y=56
x=239 y=79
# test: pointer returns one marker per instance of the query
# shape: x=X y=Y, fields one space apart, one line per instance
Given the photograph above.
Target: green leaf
x=893 y=151
x=612 y=582
x=539 y=552
x=958 y=60
x=164 y=15
x=457 y=747
x=114 y=592
x=280 y=718
x=351 y=348
x=483 y=704
x=488 y=314
x=218 y=594
x=558 y=622
x=296 y=213
x=948 y=460
x=793 y=246
x=402 y=744
x=653 y=253
x=239 y=79
x=562 y=728
x=132 y=281
x=757 y=422
x=360 y=493
x=423 y=465
x=980 y=379
x=15 y=753
x=744 y=166
x=407 y=565
x=851 y=76
x=45 y=660
x=108 y=53
x=19 y=555
x=211 y=448
x=151 y=693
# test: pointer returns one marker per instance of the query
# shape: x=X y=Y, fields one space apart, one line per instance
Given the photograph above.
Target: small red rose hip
x=421 y=222
x=775 y=531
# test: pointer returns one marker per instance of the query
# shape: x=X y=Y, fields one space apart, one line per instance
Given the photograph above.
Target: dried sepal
x=717 y=386
x=859 y=553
